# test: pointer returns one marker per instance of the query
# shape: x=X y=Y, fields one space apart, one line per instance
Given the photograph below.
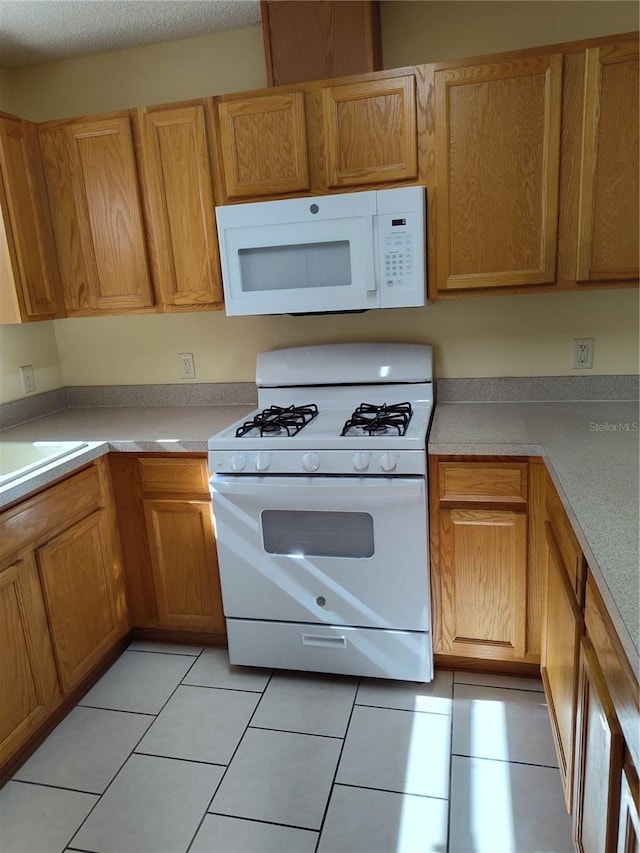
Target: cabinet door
x=497 y=155
x=264 y=145
x=78 y=578
x=370 y=132
x=313 y=41
x=609 y=223
x=563 y=628
x=94 y=196
x=629 y=824
x=179 y=201
x=28 y=264
x=483 y=559
x=184 y=564
x=28 y=678
x=598 y=762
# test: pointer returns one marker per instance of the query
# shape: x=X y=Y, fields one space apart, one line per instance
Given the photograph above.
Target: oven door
x=333 y=550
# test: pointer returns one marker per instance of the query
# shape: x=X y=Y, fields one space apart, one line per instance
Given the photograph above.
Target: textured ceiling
x=34 y=31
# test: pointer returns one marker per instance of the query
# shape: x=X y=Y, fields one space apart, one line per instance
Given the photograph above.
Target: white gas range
x=320 y=501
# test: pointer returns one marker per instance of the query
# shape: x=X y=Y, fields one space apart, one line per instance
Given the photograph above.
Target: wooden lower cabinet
x=28 y=679
x=598 y=760
x=564 y=626
x=479 y=559
x=63 y=605
x=629 y=821
x=483 y=559
x=168 y=539
x=79 y=587
x=184 y=564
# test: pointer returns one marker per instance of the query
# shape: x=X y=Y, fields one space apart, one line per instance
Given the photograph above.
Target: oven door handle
x=270 y=487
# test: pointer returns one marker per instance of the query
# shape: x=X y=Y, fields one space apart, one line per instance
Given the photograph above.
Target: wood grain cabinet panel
x=29 y=279
x=264 y=145
x=370 y=132
x=483 y=559
x=314 y=41
x=479 y=482
x=497 y=166
x=609 y=222
x=184 y=564
x=629 y=823
x=564 y=626
x=178 y=193
x=598 y=760
x=93 y=189
x=84 y=603
x=28 y=677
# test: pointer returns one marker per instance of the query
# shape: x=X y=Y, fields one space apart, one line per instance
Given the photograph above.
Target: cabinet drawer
x=177 y=476
x=482 y=482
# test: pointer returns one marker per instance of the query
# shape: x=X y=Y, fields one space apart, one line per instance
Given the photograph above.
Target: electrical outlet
x=187 y=367
x=582 y=353
x=27 y=378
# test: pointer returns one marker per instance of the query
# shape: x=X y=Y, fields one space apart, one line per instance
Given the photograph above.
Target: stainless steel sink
x=19 y=458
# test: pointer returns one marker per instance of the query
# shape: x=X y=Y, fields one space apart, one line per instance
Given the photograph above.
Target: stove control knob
x=388 y=461
x=310 y=461
x=238 y=461
x=262 y=461
x=361 y=461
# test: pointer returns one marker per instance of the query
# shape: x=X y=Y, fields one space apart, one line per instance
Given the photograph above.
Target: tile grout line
x=99 y=800
x=217 y=788
x=57 y=787
x=504 y=761
x=390 y=791
x=262 y=820
x=335 y=772
x=291 y=732
x=406 y=710
x=449 y=811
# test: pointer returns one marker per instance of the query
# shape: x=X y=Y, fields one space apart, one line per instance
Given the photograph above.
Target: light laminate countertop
x=591 y=450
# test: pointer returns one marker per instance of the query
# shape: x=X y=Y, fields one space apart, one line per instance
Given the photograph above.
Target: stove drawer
x=404 y=655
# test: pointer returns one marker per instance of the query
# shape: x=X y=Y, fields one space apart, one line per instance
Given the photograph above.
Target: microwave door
x=325 y=265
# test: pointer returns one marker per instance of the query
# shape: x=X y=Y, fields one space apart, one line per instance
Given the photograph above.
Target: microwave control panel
x=401 y=259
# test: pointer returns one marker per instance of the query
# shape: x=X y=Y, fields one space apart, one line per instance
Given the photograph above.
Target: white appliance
x=320 y=502
x=344 y=252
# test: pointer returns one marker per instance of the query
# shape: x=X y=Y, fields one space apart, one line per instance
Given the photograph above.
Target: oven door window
x=312 y=533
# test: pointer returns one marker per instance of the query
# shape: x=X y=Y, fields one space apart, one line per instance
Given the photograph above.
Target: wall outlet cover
x=582 y=353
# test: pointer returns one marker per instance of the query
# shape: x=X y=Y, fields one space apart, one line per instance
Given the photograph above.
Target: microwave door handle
x=370 y=271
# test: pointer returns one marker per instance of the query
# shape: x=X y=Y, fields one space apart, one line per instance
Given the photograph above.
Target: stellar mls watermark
x=619 y=426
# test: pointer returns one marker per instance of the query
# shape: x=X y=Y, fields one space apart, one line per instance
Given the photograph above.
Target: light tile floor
x=174 y=750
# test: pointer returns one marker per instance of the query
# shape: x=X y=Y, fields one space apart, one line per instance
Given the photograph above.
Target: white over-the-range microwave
x=344 y=252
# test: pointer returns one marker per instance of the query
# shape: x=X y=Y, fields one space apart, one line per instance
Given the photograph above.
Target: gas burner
x=277 y=420
x=378 y=420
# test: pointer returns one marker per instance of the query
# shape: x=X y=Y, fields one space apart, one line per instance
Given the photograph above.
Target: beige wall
x=34 y=344
x=6 y=91
x=491 y=336
x=231 y=61
x=417 y=32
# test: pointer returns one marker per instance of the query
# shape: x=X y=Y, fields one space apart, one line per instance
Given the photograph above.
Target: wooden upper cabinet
x=264 y=145
x=370 y=132
x=94 y=196
x=609 y=224
x=315 y=40
x=497 y=158
x=178 y=194
x=29 y=283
